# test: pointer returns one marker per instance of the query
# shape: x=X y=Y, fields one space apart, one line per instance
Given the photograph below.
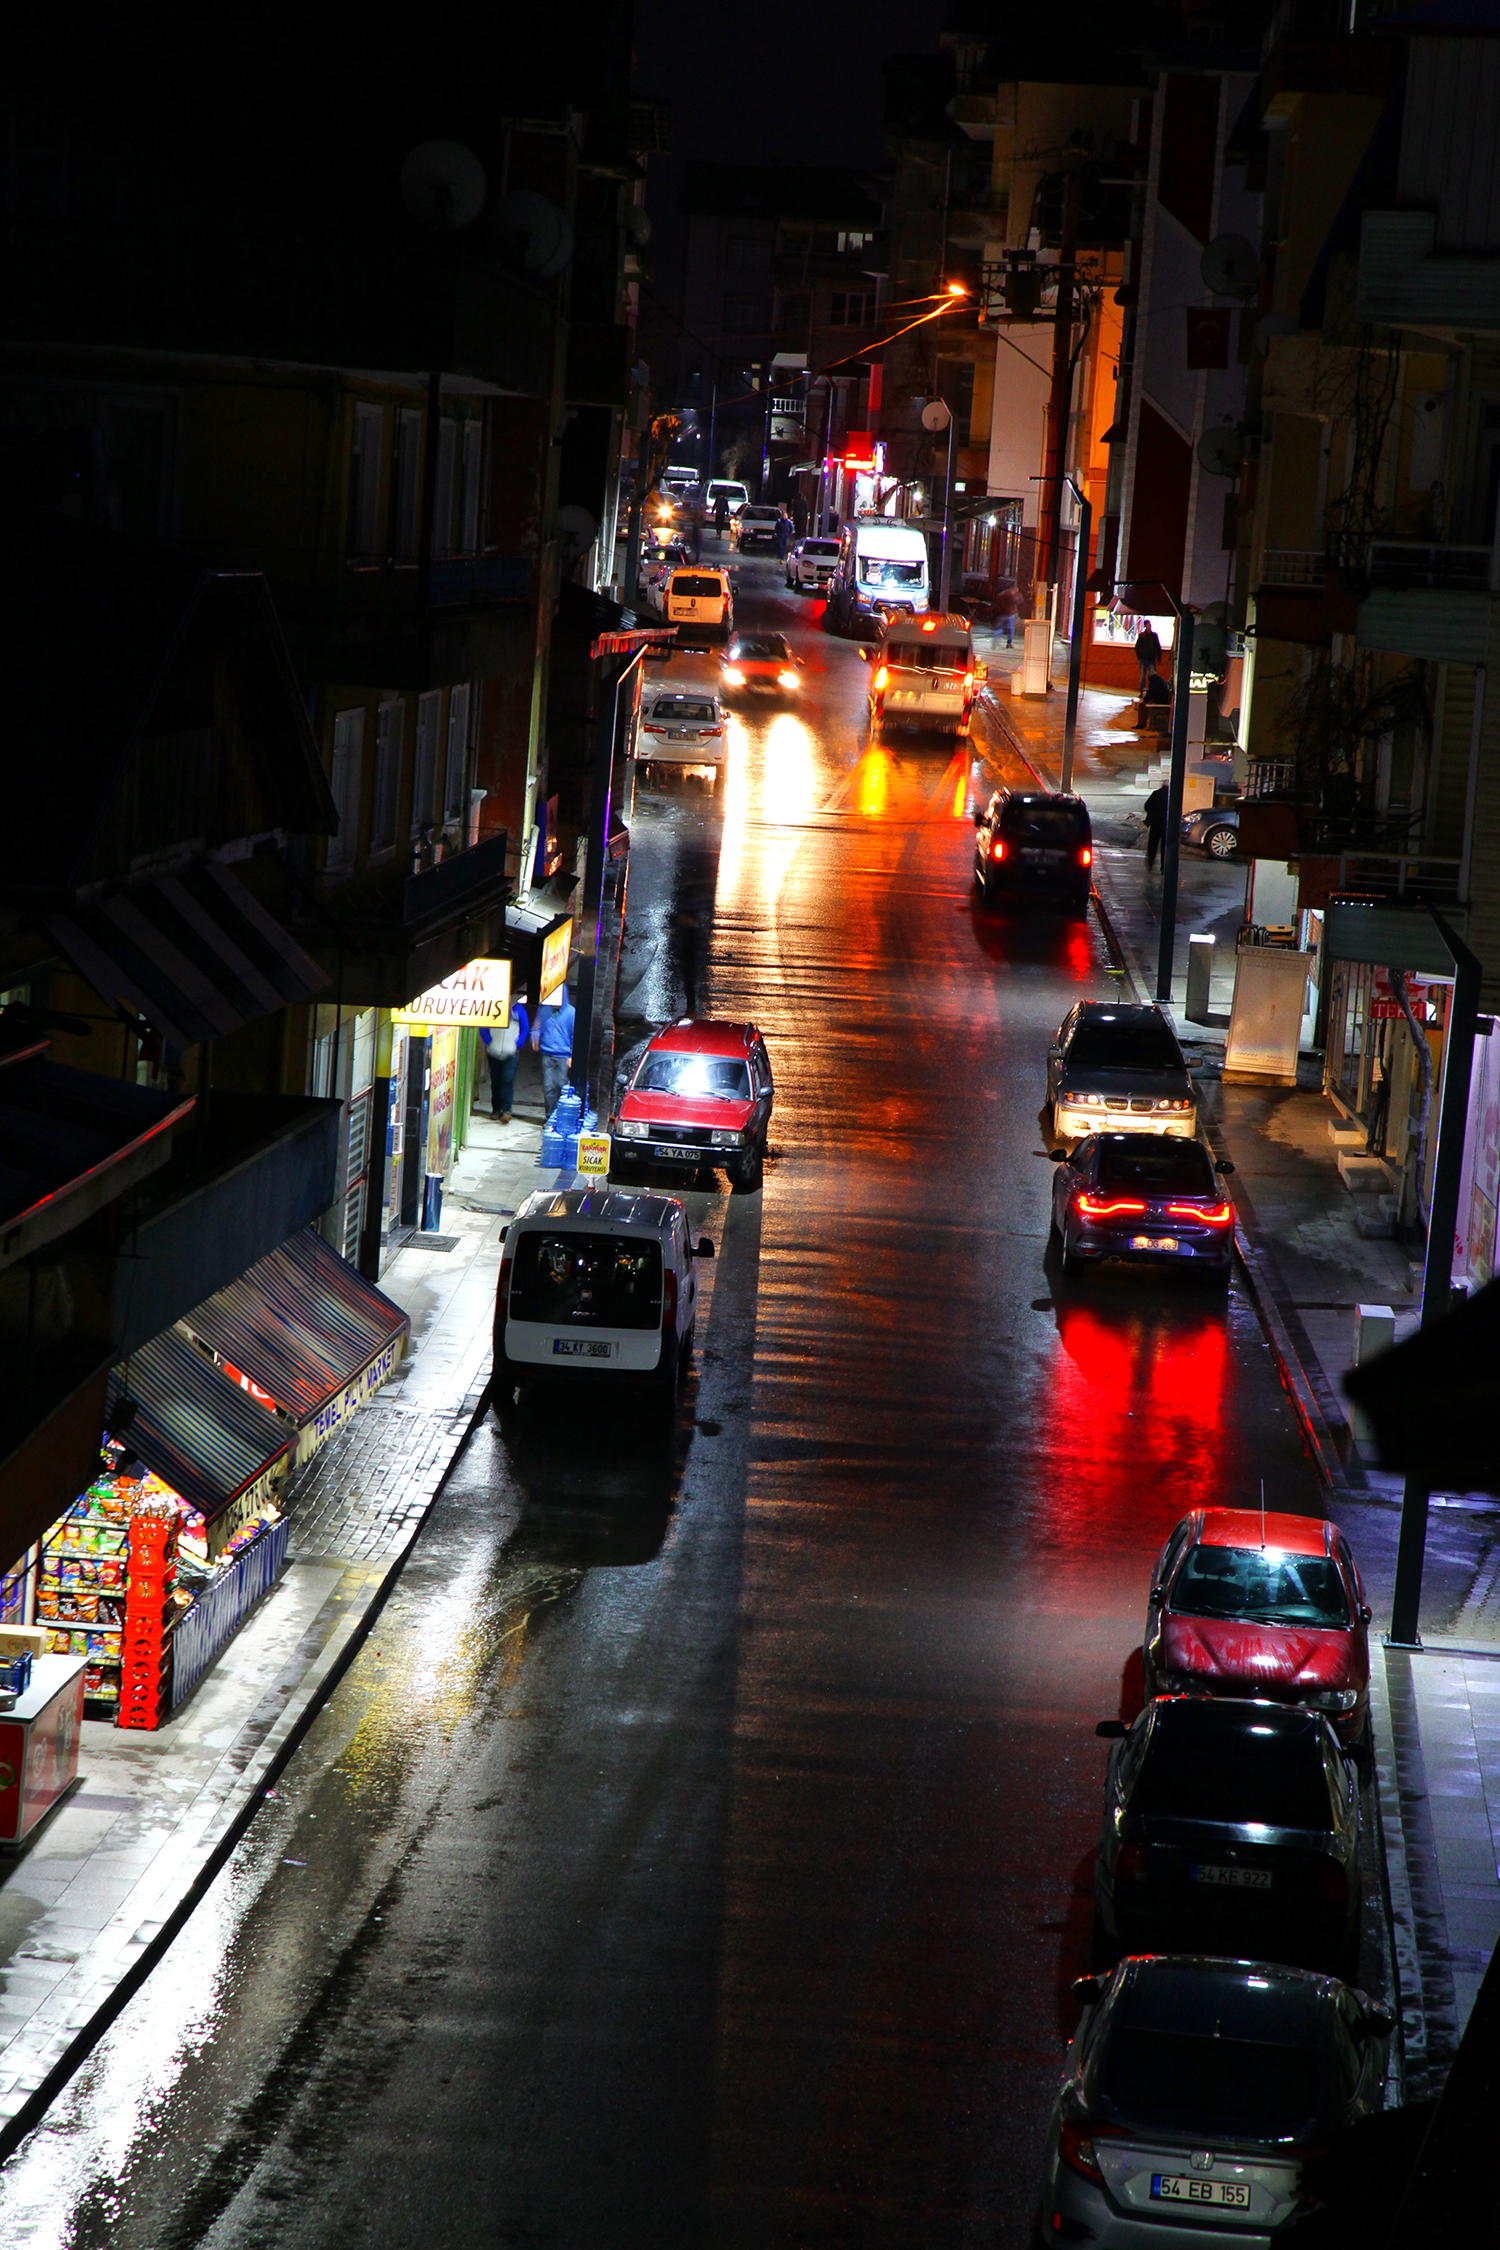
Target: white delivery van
x=699 y=599
x=730 y=490
x=924 y=674
x=881 y=573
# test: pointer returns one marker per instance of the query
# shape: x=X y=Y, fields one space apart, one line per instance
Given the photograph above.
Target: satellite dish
x=577 y=531
x=443 y=186
x=1221 y=449
x=1275 y=324
x=1230 y=266
x=536 y=233
x=935 y=416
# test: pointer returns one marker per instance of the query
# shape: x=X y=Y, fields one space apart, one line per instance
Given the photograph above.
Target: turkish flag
x=1208 y=335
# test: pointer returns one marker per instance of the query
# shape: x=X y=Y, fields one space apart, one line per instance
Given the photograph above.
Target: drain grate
x=421 y=1241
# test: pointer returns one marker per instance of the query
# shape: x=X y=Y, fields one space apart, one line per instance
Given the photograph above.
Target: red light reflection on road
x=1137 y=1422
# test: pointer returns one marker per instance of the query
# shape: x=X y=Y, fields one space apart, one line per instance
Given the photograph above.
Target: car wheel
x=505 y=1397
x=1072 y=1264
x=747 y=1173
x=1222 y=842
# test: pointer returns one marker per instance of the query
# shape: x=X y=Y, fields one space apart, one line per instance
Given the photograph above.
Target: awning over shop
x=538 y=936
x=70 y=1142
x=194 y=953
x=308 y=1331
x=200 y=1433
x=1390 y=937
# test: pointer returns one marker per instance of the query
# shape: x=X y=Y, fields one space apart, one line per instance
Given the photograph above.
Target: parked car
x=760 y=664
x=754 y=526
x=599 y=1287
x=1141 y=1196
x=881 y=572
x=701 y=1094
x=810 y=563
x=1273 y=1605
x=1118 y=1064
x=1230 y=1825
x=1217 y=831
x=1194 y=2092
x=924 y=674
x=1027 y=845
x=734 y=494
x=699 y=599
x=684 y=730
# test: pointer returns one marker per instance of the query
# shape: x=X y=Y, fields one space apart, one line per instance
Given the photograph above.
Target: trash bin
x=432 y=1203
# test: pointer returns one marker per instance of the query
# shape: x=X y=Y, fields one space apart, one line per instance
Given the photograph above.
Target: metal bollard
x=1200 y=969
x=1374 y=1332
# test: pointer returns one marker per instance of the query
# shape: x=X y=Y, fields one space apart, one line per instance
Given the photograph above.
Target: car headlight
x=1336 y=1701
x=788 y=679
x=632 y=1129
x=1173 y=1683
x=728 y=1140
x=1178 y=1103
x=733 y=677
x=1082 y=1101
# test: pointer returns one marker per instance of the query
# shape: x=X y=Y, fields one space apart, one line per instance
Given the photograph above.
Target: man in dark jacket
x=1154 y=812
x=1147 y=653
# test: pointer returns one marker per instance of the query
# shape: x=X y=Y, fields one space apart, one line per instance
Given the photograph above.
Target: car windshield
x=1270 y=1778
x=770 y=647
x=880 y=570
x=1241 y=2088
x=684 y=709
x=1269 y=1588
x=1159 y=1167
x=696 y=589
x=758 y=515
x=1042 y=820
x=1124 y=1046
x=820 y=546
x=717 y=1077
x=587 y=1280
x=925 y=656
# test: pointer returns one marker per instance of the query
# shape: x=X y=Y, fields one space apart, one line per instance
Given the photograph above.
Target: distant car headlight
x=728 y=1140
x=788 y=679
x=1335 y=1701
x=632 y=1129
x=732 y=676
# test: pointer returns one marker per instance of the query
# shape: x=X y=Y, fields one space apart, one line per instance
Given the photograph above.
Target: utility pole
x=1060 y=401
x=1171 y=852
x=1075 y=646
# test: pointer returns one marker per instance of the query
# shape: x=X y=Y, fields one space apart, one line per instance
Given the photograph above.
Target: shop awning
x=200 y=1433
x=194 y=953
x=1389 y=935
x=305 y=1328
x=70 y=1142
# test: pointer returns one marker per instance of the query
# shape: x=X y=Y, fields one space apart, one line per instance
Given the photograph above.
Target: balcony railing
x=1293 y=566
x=1270 y=777
x=1403 y=563
x=1423 y=878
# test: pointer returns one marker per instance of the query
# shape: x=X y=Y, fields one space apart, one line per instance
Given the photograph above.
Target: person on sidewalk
x=553 y=1040
x=721 y=515
x=783 y=533
x=1007 y=609
x=1154 y=812
x=502 y=1052
x=1147 y=653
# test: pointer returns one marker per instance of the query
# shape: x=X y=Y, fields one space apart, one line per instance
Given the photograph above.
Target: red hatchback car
x=701 y=1094
x=1273 y=1606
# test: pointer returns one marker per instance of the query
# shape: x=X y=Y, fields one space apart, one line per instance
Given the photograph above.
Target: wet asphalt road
x=700 y=1851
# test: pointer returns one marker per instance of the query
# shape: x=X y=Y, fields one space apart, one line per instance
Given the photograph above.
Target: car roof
x=1109 y=1011
x=1242 y=1527
x=947 y=623
x=598 y=1207
x=1227 y=1721
x=700 y=1035
x=1191 y=1993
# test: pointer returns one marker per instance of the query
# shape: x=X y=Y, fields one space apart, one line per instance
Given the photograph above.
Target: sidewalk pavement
x=87 y=1909
x=1435 y=1711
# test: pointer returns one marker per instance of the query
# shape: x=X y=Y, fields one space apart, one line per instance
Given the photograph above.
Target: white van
x=881 y=573
x=698 y=596
x=729 y=489
x=924 y=674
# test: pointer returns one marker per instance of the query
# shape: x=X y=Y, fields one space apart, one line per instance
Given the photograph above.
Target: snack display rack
x=80 y=1591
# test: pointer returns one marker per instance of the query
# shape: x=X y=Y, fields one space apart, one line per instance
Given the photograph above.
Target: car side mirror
x=1088 y=1991
x=1156 y=1592
x=703 y=1248
x=1111 y=1730
x=864 y=654
x=1375 y=2023
x=1223 y=1167
x=1365 y=1613
x=979 y=816
x=1058 y=1155
x=1054 y=1049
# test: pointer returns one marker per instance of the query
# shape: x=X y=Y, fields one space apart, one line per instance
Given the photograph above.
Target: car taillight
x=650 y=729
x=1212 y=1214
x=1085 y=856
x=968 y=683
x=1130 y=1863
x=1075 y=2145
x=1330 y=1882
x=1098 y=1207
x=668 y=1303
x=880 y=679
x=997 y=849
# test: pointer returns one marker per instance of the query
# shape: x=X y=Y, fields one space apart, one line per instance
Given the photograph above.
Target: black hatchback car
x=1142 y=1196
x=1031 y=846
x=1230 y=1825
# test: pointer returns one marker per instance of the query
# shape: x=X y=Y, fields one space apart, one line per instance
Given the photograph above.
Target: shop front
x=440 y=1040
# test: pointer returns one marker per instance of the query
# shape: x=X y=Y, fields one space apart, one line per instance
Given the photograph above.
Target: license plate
x=579 y=1347
x=678 y=734
x=1178 y=2187
x=1233 y=1878
x=1153 y=1242
x=663 y=1148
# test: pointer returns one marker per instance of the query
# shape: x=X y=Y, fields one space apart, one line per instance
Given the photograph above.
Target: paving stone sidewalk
x=87 y=1908
x=1436 y=1711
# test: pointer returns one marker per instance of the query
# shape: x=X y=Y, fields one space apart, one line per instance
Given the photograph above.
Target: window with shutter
x=356 y=1175
x=424 y=779
x=456 y=782
x=388 y=718
x=405 y=471
x=348 y=751
x=473 y=454
x=364 y=482
x=442 y=514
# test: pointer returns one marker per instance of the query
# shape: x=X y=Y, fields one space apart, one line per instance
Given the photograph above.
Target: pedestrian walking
x=1154 y=812
x=783 y=534
x=1007 y=609
x=1147 y=653
x=721 y=515
x=553 y=1040
x=502 y=1050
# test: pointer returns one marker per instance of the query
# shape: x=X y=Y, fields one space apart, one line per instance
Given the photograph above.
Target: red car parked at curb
x=700 y=1095
x=1273 y=1605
